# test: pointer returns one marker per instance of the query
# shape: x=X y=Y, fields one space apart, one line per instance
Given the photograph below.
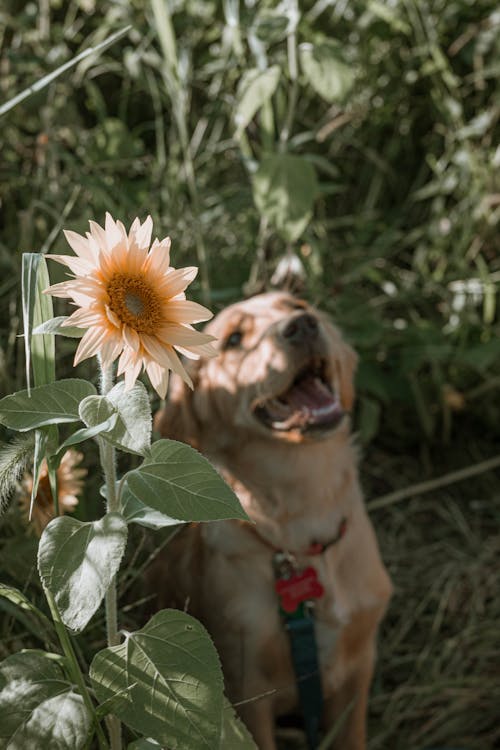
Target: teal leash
x=298 y=588
x=304 y=653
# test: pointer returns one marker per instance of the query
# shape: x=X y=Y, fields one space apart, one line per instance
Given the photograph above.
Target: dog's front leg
x=347 y=707
x=258 y=715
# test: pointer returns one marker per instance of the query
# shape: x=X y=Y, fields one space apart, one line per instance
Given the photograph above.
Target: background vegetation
x=359 y=139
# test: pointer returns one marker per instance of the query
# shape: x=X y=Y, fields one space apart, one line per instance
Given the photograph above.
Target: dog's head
x=283 y=371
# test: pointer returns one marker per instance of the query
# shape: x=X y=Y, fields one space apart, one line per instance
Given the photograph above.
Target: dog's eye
x=233 y=340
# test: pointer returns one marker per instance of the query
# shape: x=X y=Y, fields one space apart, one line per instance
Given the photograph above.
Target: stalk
x=73 y=666
x=108 y=463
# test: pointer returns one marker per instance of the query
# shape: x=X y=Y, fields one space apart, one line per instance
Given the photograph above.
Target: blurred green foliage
x=360 y=136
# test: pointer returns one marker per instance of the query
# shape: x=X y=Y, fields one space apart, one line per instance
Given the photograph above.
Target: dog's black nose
x=300 y=329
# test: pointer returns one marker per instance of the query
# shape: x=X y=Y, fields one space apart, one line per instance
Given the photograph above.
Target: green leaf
x=16 y=597
x=134 y=511
x=284 y=189
x=179 y=482
x=255 y=88
x=85 y=434
x=77 y=562
x=43 y=353
x=235 y=735
x=38 y=706
x=132 y=431
x=369 y=419
x=36 y=308
x=132 y=428
x=53 y=403
x=145 y=743
x=178 y=695
x=41 y=437
x=480 y=356
x=326 y=71
x=54 y=326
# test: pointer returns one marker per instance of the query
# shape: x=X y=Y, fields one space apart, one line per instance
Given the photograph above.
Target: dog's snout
x=300 y=329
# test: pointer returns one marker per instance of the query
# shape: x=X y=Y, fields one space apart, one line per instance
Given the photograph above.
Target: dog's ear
x=347 y=362
x=177 y=420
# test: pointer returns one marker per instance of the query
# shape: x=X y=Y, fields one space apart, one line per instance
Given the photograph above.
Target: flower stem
x=73 y=666
x=108 y=463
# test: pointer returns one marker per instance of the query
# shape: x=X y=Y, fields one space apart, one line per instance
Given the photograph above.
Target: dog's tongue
x=307 y=402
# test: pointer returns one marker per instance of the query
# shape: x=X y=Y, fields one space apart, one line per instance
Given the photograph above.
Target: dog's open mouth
x=308 y=403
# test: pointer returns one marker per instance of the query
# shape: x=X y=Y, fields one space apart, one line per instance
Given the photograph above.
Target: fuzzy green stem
x=108 y=463
x=73 y=666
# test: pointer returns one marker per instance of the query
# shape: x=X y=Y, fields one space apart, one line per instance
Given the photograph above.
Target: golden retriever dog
x=271 y=412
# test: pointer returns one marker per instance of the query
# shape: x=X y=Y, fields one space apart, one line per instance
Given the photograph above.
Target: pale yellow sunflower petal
x=80 y=245
x=111 y=348
x=158 y=377
x=178 y=367
x=131 y=338
x=90 y=344
x=78 y=290
x=182 y=311
x=195 y=352
x=112 y=317
x=158 y=260
x=143 y=233
x=182 y=335
x=132 y=373
x=113 y=233
x=84 y=317
x=164 y=355
x=176 y=281
x=79 y=266
x=99 y=235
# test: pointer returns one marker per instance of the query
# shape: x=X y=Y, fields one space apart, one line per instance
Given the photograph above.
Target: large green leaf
x=38 y=706
x=134 y=511
x=132 y=428
x=284 y=189
x=326 y=71
x=53 y=403
x=178 y=693
x=16 y=597
x=235 y=735
x=37 y=307
x=179 y=482
x=256 y=87
x=77 y=562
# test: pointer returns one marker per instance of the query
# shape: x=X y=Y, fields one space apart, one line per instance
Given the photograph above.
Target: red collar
x=314 y=549
x=317 y=548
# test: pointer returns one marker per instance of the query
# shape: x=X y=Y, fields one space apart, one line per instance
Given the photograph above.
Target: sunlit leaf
x=53 y=403
x=326 y=71
x=131 y=430
x=284 y=190
x=255 y=88
x=54 y=326
x=38 y=706
x=178 y=694
x=77 y=562
x=176 y=480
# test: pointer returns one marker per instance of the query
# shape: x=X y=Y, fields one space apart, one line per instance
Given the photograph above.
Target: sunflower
x=132 y=302
x=69 y=486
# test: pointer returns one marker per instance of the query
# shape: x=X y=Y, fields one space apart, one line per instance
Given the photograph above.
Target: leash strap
x=305 y=663
x=297 y=590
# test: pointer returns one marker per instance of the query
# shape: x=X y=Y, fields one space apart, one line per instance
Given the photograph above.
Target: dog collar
x=317 y=548
x=314 y=549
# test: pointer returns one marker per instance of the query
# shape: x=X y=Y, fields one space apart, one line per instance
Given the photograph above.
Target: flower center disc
x=135 y=302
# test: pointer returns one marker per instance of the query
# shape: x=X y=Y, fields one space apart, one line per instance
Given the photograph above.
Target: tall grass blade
x=43 y=82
